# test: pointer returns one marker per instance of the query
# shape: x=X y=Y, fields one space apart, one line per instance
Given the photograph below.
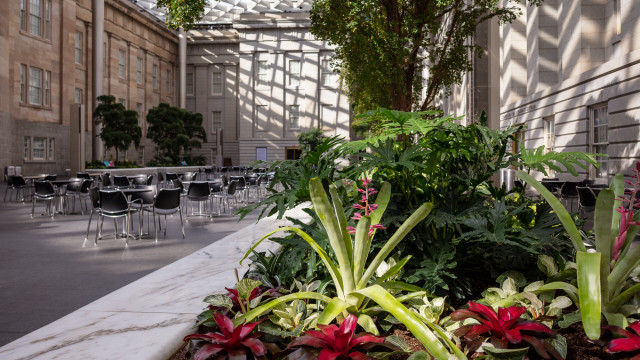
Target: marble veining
x=148 y=318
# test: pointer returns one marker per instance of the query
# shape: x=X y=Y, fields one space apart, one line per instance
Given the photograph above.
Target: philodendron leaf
x=547 y=265
x=505 y=354
x=398 y=341
x=569 y=319
x=219 y=300
x=246 y=286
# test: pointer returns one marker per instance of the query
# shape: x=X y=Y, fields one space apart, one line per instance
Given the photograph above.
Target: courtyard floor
x=47 y=270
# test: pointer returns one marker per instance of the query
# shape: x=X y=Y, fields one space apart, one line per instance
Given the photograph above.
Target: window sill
x=36 y=37
x=39 y=161
x=36 y=107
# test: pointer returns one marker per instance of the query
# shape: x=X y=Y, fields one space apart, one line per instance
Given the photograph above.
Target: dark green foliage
x=311 y=138
x=291 y=177
x=175 y=132
x=382 y=47
x=119 y=125
x=183 y=13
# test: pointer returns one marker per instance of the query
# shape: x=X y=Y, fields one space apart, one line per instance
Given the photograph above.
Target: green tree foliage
x=383 y=46
x=119 y=125
x=175 y=131
x=182 y=13
x=311 y=138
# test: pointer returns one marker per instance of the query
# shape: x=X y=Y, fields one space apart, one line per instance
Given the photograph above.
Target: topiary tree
x=311 y=138
x=174 y=131
x=119 y=126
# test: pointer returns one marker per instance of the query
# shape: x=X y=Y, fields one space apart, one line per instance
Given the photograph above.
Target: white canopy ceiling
x=225 y=11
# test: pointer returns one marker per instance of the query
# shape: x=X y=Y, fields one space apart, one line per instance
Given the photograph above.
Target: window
x=154 y=77
x=262 y=73
x=23 y=83
x=123 y=101
x=328 y=76
x=47 y=88
x=51 y=149
x=122 y=63
x=38 y=149
x=294 y=72
x=78 y=97
x=139 y=70
x=549 y=134
x=141 y=154
x=216 y=121
x=216 y=83
x=168 y=82
x=519 y=140
x=600 y=138
x=35 y=86
x=23 y=15
x=27 y=148
x=47 y=24
x=35 y=17
x=78 y=47
x=294 y=116
x=292 y=153
x=189 y=86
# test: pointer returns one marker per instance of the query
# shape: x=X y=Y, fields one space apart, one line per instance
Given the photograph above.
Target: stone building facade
x=47 y=65
x=259 y=82
x=570 y=73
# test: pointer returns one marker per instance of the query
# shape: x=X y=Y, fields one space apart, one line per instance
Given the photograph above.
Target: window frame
x=47 y=89
x=23 y=84
x=78 y=48
x=34 y=140
x=122 y=64
x=214 y=129
x=262 y=73
x=217 y=87
x=39 y=24
x=78 y=95
x=292 y=116
x=38 y=86
x=594 y=145
x=51 y=148
x=294 y=77
x=139 y=70
x=154 y=76
x=189 y=84
x=167 y=85
x=27 y=148
x=327 y=75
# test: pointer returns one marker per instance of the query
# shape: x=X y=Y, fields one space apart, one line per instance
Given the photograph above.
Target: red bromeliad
x=626 y=218
x=504 y=328
x=368 y=208
x=630 y=340
x=233 y=342
x=338 y=343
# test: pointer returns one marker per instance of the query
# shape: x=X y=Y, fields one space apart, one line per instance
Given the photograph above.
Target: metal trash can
x=507 y=178
x=18 y=170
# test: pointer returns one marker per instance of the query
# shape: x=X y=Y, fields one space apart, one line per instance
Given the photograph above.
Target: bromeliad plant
x=629 y=341
x=602 y=274
x=504 y=328
x=338 y=343
x=352 y=275
x=233 y=342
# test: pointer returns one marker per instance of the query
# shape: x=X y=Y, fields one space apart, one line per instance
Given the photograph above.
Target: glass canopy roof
x=225 y=11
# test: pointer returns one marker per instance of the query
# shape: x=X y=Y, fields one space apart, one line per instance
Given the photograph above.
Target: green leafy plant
x=119 y=126
x=603 y=274
x=291 y=319
x=290 y=184
x=311 y=138
x=351 y=274
x=541 y=160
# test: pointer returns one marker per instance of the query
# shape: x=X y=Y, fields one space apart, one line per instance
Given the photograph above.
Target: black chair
x=167 y=202
x=199 y=192
x=51 y=177
x=150 y=179
x=224 y=196
x=145 y=200
x=586 y=199
x=106 y=181
x=161 y=181
x=114 y=204
x=82 y=175
x=44 y=191
x=587 y=182
x=189 y=176
x=94 y=195
x=569 y=191
x=17 y=184
x=139 y=180
x=73 y=191
x=121 y=182
x=9 y=180
x=171 y=176
x=241 y=187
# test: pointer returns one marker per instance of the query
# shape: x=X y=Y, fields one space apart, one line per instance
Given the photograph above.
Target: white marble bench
x=148 y=318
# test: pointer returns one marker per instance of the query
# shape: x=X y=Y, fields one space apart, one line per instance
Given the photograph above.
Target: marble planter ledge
x=148 y=318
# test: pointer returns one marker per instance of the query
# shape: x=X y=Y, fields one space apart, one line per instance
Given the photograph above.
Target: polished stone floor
x=47 y=270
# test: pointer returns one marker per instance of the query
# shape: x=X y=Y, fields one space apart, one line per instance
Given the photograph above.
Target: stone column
x=97 y=70
x=182 y=59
